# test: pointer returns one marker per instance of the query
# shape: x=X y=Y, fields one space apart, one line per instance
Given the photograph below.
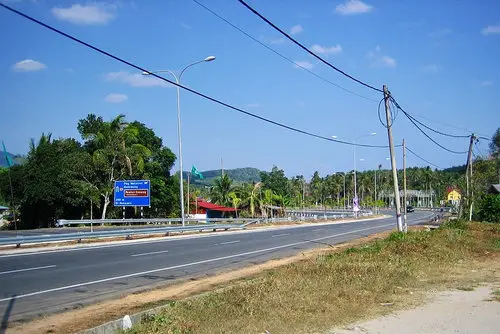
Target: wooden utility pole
x=393 y=159
x=405 y=224
x=468 y=176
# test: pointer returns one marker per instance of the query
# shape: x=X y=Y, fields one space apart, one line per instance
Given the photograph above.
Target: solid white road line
x=227 y=242
x=150 y=253
x=188 y=264
x=27 y=269
x=279 y=235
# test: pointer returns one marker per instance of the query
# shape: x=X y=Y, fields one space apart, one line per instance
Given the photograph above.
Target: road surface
x=36 y=284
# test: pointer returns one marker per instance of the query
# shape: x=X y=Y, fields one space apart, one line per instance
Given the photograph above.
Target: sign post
x=132 y=193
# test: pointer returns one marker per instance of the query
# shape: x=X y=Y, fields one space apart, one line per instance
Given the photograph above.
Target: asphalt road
x=36 y=284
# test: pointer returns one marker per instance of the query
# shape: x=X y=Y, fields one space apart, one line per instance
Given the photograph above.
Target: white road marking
x=279 y=235
x=150 y=253
x=227 y=242
x=186 y=237
x=27 y=269
x=316 y=230
x=36 y=293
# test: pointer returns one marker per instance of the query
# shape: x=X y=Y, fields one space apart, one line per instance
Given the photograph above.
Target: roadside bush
x=489 y=209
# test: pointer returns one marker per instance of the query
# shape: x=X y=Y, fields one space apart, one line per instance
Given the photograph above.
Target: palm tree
x=250 y=196
x=220 y=191
x=235 y=200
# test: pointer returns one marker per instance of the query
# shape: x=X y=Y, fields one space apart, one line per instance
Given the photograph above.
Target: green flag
x=195 y=172
x=7 y=157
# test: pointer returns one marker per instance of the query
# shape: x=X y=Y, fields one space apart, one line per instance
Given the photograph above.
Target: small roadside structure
x=208 y=210
x=453 y=196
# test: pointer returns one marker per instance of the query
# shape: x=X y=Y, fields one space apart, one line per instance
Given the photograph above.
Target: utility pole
x=375 y=195
x=405 y=225
x=188 y=200
x=468 y=176
x=393 y=159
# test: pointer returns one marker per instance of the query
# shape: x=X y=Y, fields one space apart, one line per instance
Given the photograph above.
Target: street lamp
x=178 y=80
x=355 y=199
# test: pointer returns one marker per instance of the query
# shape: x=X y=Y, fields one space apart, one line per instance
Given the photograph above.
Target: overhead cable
x=307 y=50
x=227 y=105
x=280 y=54
x=418 y=156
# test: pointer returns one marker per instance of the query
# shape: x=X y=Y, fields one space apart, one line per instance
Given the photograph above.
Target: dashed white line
x=227 y=242
x=27 y=269
x=36 y=293
x=279 y=235
x=150 y=253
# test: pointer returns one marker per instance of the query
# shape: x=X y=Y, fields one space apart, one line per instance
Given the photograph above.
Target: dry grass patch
x=336 y=288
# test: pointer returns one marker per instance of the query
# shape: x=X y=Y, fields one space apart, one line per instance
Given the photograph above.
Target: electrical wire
x=425 y=133
x=418 y=156
x=280 y=54
x=437 y=131
x=307 y=50
x=227 y=105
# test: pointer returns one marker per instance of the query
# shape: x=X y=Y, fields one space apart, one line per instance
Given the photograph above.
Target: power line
x=227 y=105
x=425 y=133
x=280 y=54
x=418 y=156
x=306 y=49
x=436 y=131
x=445 y=124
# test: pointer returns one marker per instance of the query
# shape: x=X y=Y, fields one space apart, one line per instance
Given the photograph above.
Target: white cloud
x=277 y=41
x=352 y=7
x=97 y=13
x=487 y=83
x=28 y=65
x=253 y=105
x=380 y=60
x=116 y=98
x=136 y=79
x=296 y=29
x=325 y=49
x=431 y=68
x=489 y=30
x=304 y=64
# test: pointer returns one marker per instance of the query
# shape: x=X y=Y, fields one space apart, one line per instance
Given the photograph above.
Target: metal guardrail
x=106 y=234
x=64 y=222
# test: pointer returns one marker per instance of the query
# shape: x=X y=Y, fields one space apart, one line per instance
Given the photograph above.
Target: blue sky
x=438 y=58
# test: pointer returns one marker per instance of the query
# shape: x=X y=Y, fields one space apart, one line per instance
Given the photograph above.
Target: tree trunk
x=106 y=203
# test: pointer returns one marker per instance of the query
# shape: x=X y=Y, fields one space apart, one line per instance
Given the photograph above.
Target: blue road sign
x=132 y=193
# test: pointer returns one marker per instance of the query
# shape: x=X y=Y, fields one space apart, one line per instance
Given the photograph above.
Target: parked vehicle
x=410 y=208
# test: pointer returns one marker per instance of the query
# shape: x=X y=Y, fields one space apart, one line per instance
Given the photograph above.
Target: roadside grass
x=337 y=288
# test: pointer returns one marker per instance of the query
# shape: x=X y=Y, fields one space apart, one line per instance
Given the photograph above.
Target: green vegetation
x=336 y=288
x=238 y=175
x=63 y=178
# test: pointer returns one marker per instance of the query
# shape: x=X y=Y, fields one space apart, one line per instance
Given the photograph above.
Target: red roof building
x=210 y=209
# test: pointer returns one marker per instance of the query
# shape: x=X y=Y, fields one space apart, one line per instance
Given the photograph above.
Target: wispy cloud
x=28 y=65
x=431 y=68
x=253 y=105
x=296 y=29
x=487 y=83
x=490 y=30
x=352 y=7
x=136 y=79
x=304 y=64
x=95 y=13
x=380 y=60
x=325 y=49
x=277 y=40
x=185 y=25
x=116 y=98
x=441 y=33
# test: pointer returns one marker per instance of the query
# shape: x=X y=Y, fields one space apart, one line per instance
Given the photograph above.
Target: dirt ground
x=94 y=315
x=454 y=311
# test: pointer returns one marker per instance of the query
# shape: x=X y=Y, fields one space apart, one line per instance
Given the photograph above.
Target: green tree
x=275 y=181
x=113 y=153
x=219 y=193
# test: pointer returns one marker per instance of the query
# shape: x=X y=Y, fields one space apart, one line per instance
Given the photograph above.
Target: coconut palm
x=219 y=193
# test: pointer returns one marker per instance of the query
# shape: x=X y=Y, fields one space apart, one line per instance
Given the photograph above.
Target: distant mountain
x=238 y=175
x=455 y=169
x=16 y=159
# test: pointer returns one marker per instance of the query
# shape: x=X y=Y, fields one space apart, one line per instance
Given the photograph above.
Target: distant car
x=410 y=208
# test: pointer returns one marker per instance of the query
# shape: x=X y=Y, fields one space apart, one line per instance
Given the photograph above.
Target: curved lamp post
x=178 y=80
